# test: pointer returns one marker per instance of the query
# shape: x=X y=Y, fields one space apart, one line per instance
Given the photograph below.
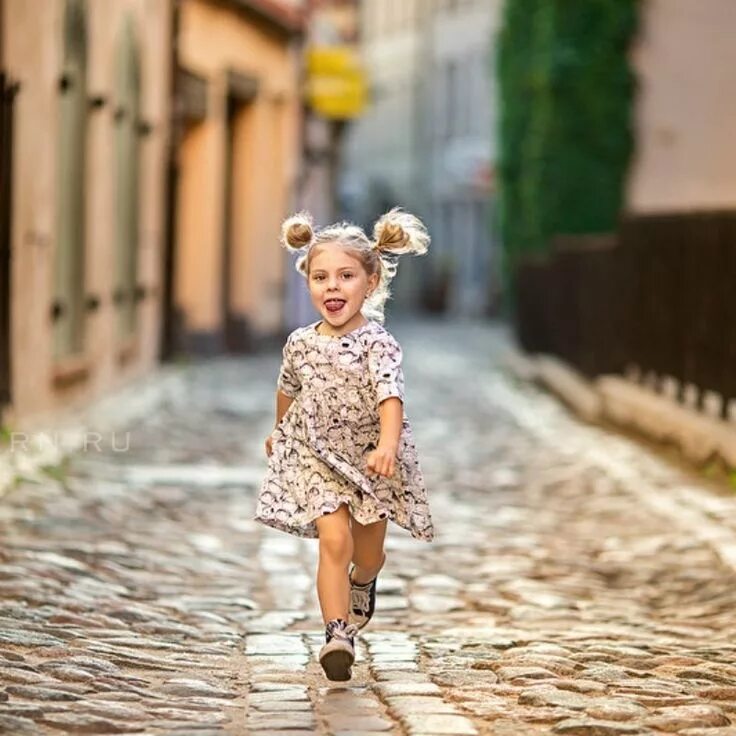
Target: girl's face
x=338 y=285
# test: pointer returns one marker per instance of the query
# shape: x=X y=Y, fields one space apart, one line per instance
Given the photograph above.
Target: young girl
x=342 y=457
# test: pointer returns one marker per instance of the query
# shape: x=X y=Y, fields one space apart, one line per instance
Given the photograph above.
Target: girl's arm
x=384 y=363
x=391 y=412
x=382 y=460
x=288 y=380
x=283 y=402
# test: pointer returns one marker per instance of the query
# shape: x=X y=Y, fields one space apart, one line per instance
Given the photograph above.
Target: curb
x=701 y=515
x=630 y=406
x=559 y=378
x=44 y=443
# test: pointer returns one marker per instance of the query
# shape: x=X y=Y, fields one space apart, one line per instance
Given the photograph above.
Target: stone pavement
x=577 y=585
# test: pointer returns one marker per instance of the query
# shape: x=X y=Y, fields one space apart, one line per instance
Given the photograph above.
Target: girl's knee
x=337 y=544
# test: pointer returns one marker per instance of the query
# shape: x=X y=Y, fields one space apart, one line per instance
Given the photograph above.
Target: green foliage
x=56 y=472
x=712 y=469
x=565 y=134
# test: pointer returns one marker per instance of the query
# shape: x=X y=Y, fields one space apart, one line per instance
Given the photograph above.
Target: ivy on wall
x=566 y=91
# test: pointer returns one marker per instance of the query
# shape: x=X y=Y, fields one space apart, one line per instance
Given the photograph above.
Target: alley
x=577 y=584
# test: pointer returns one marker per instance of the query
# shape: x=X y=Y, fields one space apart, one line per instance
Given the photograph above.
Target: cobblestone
x=568 y=591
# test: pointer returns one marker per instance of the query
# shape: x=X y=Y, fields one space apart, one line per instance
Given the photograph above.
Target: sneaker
x=362 y=601
x=338 y=653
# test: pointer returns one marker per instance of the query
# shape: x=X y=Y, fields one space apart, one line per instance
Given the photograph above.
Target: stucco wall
x=264 y=155
x=685 y=59
x=32 y=49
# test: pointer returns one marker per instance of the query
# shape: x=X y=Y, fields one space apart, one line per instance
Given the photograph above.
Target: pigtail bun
x=297 y=232
x=400 y=232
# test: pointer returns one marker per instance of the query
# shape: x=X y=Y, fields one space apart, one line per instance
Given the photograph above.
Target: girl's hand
x=269 y=445
x=382 y=460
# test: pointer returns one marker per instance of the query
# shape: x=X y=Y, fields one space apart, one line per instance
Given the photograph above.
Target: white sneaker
x=363 y=598
x=338 y=653
x=362 y=601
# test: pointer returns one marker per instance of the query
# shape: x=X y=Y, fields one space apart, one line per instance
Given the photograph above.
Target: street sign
x=336 y=82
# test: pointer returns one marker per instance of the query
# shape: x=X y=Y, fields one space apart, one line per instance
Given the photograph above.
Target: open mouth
x=334 y=305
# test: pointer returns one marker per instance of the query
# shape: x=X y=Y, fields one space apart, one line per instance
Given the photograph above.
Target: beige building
x=147 y=157
x=82 y=198
x=685 y=113
x=239 y=108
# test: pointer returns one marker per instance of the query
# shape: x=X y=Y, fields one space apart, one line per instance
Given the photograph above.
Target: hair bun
x=390 y=236
x=400 y=232
x=297 y=231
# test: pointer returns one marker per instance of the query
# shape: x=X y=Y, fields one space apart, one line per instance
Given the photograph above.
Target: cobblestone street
x=577 y=585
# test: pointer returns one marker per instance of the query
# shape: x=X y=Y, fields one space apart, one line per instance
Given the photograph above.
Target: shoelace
x=347 y=632
x=361 y=600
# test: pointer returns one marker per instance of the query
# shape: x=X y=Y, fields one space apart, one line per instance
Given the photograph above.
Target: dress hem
x=305 y=532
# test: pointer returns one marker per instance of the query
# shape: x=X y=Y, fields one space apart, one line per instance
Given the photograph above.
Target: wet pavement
x=577 y=584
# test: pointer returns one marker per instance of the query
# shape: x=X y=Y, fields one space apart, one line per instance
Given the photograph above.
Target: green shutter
x=69 y=278
x=127 y=165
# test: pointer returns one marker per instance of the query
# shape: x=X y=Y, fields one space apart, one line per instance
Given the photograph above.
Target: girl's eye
x=321 y=278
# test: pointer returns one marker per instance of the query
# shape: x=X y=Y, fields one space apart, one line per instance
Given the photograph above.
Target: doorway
x=241 y=91
x=184 y=223
x=7 y=92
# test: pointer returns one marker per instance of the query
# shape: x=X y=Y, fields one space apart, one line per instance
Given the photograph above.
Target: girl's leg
x=368 y=556
x=335 y=553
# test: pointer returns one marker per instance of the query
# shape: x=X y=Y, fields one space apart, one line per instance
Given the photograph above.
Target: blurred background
x=573 y=160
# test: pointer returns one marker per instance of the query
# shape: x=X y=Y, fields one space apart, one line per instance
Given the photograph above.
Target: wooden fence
x=659 y=296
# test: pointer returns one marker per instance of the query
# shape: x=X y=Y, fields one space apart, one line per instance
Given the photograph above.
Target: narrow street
x=577 y=584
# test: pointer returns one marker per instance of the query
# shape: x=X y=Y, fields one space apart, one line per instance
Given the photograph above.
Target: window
x=451 y=99
x=127 y=155
x=69 y=280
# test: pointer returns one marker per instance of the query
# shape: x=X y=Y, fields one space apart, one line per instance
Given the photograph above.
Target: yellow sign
x=336 y=82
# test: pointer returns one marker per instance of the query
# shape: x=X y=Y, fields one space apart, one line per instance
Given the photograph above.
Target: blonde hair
x=395 y=233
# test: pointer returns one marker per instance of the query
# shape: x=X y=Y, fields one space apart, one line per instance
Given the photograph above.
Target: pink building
x=85 y=129
x=148 y=154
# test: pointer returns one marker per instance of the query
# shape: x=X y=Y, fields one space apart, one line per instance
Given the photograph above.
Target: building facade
x=684 y=159
x=382 y=166
x=427 y=143
x=237 y=125
x=85 y=126
x=459 y=152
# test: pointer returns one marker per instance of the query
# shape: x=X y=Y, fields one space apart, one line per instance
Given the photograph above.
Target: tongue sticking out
x=334 y=306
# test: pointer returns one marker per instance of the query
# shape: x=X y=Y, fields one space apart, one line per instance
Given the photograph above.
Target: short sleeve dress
x=319 y=448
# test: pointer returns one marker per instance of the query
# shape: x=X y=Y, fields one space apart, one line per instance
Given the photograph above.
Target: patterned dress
x=319 y=448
